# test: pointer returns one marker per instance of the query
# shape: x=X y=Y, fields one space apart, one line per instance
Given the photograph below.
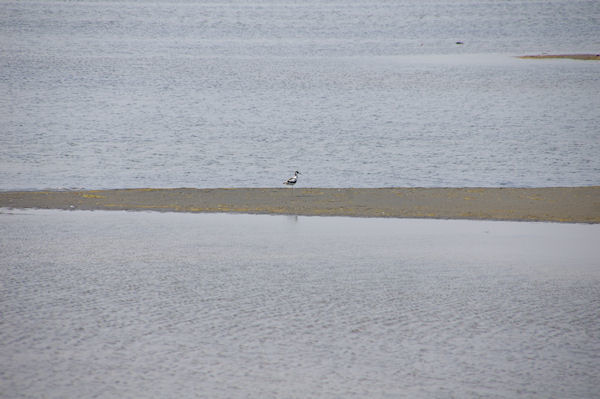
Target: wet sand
x=555 y=204
x=588 y=57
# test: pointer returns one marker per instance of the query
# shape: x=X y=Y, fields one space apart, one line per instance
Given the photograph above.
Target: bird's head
x=298 y=173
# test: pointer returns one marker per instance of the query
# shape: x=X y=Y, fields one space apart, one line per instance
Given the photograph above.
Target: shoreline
x=587 y=57
x=548 y=204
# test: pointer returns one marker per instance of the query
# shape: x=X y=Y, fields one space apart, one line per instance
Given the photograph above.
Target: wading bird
x=292 y=180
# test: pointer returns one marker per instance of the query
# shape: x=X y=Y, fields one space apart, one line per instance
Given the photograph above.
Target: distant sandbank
x=555 y=204
x=589 y=57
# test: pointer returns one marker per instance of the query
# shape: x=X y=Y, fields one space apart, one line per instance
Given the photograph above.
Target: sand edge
x=587 y=57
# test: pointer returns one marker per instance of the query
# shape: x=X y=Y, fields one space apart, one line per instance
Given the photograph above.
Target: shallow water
x=352 y=94
x=117 y=304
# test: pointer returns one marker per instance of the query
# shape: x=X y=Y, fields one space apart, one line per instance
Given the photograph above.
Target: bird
x=292 y=180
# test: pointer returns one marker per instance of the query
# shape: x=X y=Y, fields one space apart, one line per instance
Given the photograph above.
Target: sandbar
x=551 y=204
x=587 y=57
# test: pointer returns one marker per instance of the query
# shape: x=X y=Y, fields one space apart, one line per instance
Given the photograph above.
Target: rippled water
x=116 y=304
x=353 y=94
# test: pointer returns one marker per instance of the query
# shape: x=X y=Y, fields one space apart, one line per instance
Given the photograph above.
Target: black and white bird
x=292 y=180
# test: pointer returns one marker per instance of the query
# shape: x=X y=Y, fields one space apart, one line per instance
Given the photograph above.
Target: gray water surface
x=353 y=94
x=117 y=304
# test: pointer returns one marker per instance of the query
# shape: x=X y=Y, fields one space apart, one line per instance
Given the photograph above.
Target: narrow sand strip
x=588 y=57
x=556 y=204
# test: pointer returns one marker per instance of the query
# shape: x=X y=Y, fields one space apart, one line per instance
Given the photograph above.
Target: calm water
x=115 y=304
x=353 y=94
